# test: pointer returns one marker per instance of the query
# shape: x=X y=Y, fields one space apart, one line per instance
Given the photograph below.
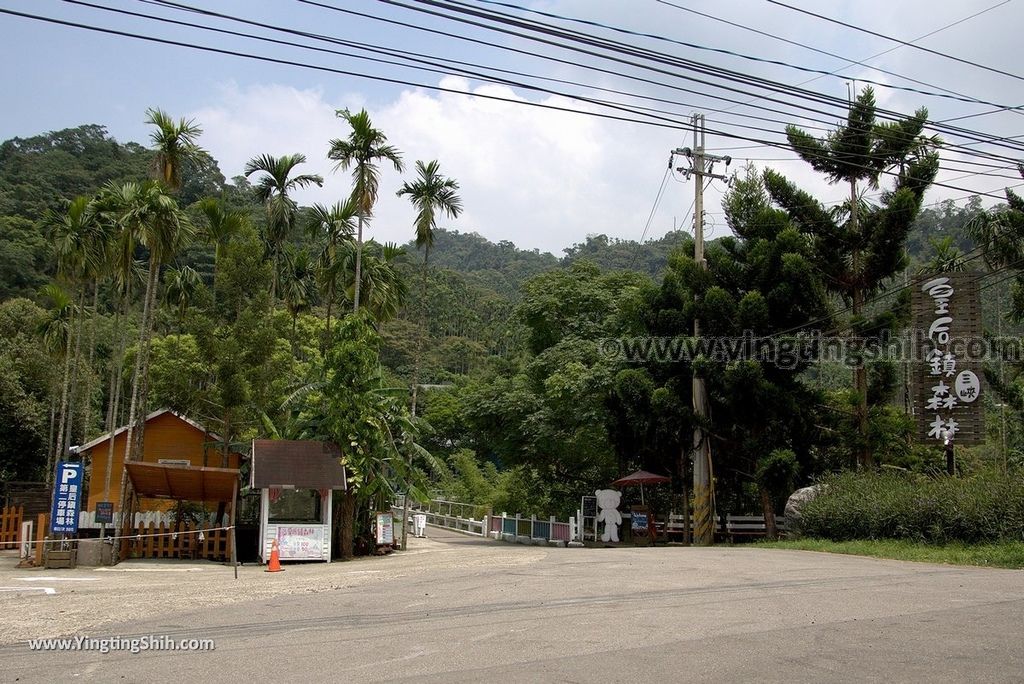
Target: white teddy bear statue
x=608 y=502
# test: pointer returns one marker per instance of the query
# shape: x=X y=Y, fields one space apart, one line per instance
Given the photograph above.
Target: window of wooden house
x=296 y=506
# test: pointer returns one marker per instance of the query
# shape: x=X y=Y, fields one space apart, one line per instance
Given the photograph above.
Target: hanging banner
x=949 y=347
x=66 y=498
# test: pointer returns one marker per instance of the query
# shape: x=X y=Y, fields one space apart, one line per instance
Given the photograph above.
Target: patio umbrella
x=641 y=477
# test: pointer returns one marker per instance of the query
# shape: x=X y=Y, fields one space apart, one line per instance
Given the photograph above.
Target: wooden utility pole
x=703 y=486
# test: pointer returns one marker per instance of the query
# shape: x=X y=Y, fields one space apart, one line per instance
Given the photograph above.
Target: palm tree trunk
x=359 y=262
x=133 y=406
x=113 y=404
x=53 y=425
x=424 y=320
x=216 y=260
x=87 y=406
x=144 y=391
x=295 y=317
x=73 y=390
x=327 y=338
x=56 y=454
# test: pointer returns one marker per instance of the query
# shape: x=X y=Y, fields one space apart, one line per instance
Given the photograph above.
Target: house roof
x=182 y=483
x=295 y=463
x=155 y=414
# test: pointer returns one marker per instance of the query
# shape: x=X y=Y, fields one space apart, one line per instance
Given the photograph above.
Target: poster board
x=105 y=512
x=301 y=542
x=588 y=518
x=385 y=529
x=640 y=525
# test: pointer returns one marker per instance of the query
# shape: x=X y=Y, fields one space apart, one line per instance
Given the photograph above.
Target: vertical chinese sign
x=949 y=348
x=66 y=498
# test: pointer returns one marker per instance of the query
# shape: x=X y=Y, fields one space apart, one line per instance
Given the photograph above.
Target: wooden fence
x=10 y=526
x=184 y=541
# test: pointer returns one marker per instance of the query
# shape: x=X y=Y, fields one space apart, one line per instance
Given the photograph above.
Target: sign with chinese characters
x=67 y=496
x=949 y=348
x=385 y=528
x=104 y=512
x=300 y=542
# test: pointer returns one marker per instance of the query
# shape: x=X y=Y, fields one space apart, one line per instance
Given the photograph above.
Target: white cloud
x=546 y=179
x=541 y=178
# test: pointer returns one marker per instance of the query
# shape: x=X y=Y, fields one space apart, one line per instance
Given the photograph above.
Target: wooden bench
x=751 y=525
x=732 y=525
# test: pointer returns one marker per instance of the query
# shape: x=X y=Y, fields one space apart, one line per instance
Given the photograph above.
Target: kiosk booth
x=296 y=480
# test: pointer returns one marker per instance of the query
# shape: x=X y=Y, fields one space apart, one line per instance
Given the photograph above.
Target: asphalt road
x=604 y=615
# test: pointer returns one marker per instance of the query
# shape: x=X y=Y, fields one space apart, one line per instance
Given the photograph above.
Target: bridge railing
x=477 y=521
x=450 y=515
x=531 y=529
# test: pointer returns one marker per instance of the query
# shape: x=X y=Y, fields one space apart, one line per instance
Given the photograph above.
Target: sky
x=529 y=171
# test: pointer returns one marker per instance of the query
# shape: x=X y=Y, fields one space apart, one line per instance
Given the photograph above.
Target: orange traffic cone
x=275 y=559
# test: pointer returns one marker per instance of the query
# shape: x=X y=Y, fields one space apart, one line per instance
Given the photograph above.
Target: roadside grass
x=1008 y=554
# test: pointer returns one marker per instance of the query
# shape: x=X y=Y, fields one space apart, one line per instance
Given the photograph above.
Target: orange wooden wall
x=166 y=437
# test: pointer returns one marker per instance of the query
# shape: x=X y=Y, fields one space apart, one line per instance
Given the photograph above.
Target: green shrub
x=983 y=507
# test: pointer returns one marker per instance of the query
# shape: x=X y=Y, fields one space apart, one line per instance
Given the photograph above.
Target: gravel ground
x=86 y=599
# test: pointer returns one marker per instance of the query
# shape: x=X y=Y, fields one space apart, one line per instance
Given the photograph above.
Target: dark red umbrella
x=641 y=477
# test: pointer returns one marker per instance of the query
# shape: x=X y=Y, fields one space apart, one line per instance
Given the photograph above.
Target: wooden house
x=170 y=438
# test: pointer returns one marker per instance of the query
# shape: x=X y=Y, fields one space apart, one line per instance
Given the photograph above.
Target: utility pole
x=701 y=167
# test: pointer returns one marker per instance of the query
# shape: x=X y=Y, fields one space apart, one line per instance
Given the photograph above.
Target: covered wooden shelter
x=172 y=482
x=297 y=480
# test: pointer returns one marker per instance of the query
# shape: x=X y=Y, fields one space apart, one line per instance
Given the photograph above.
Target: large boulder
x=795 y=503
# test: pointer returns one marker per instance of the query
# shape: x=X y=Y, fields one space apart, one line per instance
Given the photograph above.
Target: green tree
x=431 y=193
x=361 y=150
x=149 y=217
x=332 y=227
x=273 y=190
x=80 y=247
x=175 y=145
x=180 y=288
x=353 y=407
x=860 y=246
x=297 y=286
x=383 y=288
x=28 y=383
x=55 y=331
x=221 y=225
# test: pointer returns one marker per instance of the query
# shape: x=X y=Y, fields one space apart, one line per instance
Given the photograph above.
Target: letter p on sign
x=67 y=474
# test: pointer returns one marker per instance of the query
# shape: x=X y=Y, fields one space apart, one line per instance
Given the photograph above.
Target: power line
x=378 y=50
x=621 y=48
x=665 y=123
x=949 y=94
x=650 y=217
x=403 y=53
x=896 y=40
x=852 y=62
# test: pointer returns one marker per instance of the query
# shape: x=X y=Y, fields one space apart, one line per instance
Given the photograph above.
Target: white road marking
x=58 y=579
x=46 y=590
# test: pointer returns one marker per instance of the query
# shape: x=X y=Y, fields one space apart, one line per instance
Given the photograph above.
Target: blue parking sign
x=66 y=498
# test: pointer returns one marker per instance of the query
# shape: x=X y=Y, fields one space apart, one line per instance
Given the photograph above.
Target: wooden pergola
x=183 y=483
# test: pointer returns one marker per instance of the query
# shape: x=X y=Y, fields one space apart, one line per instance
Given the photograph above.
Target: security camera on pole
x=701 y=167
